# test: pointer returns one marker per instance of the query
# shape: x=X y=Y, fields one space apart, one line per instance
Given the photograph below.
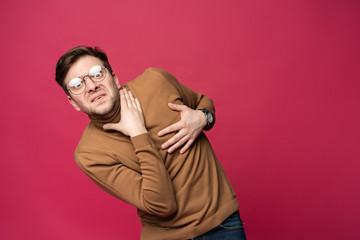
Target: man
x=129 y=148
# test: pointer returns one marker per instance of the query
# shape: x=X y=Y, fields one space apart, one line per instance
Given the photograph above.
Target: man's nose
x=90 y=84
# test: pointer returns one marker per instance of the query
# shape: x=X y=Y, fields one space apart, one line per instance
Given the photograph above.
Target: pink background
x=284 y=76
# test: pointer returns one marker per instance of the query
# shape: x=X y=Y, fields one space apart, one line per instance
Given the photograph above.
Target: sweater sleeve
x=189 y=97
x=149 y=190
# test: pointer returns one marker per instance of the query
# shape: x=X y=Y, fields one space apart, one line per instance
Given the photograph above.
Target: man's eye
x=97 y=75
x=75 y=83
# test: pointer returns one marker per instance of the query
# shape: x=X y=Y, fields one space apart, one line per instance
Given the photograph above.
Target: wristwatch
x=208 y=115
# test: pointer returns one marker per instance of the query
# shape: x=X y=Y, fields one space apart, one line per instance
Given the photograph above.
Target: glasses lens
x=76 y=86
x=97 y=73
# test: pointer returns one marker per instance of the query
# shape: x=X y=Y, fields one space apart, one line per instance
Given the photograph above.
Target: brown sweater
x=178 y=196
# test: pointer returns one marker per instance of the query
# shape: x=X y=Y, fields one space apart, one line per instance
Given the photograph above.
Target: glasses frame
x=83 y=80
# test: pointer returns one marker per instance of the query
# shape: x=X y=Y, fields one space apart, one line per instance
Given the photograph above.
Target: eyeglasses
x=78 y=85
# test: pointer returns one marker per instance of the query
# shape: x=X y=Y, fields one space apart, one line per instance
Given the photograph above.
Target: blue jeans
x=230 y=229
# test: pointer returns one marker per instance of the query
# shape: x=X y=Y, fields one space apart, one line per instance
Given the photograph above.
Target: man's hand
x=132 y=119
x=189 y=128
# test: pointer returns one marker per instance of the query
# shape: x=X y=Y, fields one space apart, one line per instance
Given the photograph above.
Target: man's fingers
x=138 y=104
x=127 y=97
x=177 y=107
x=111 y=126
x=123 y=101
x=172 y=128
x=132 y=100
x=187 y=146
x=178 y=144
x=173 y=140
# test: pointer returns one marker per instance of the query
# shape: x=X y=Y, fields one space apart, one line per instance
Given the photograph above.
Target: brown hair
x=71 y=56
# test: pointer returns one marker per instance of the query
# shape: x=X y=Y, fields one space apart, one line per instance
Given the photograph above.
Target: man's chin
x=102 y=113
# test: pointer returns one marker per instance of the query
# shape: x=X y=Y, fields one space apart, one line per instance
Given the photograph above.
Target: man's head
x=89 y=70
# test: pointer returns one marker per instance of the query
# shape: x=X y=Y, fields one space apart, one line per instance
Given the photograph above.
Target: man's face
x=100 y=99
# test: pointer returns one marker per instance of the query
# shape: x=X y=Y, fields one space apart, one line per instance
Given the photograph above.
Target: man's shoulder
x=98 y=148
x=92 y=140
x=153 y=78
x=87 y=139
x=96 y=143
x=153 y=74
x=154 y=70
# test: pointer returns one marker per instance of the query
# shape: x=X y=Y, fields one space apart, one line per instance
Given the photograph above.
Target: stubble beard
x=107 y=111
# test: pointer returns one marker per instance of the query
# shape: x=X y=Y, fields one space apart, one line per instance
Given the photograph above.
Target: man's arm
x=148 y=188
x=192 y=121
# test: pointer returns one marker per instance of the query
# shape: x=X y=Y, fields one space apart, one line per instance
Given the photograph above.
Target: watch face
x=209 y=117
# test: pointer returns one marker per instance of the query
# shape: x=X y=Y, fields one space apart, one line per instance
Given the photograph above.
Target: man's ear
x=73 y=103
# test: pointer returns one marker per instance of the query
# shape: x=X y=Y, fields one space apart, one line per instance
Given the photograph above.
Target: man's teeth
x=97 y=98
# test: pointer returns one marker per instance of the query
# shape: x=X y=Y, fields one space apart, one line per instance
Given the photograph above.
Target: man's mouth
x=97 y=98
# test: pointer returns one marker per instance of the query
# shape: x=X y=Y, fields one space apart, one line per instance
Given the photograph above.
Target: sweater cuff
x=141 y=140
